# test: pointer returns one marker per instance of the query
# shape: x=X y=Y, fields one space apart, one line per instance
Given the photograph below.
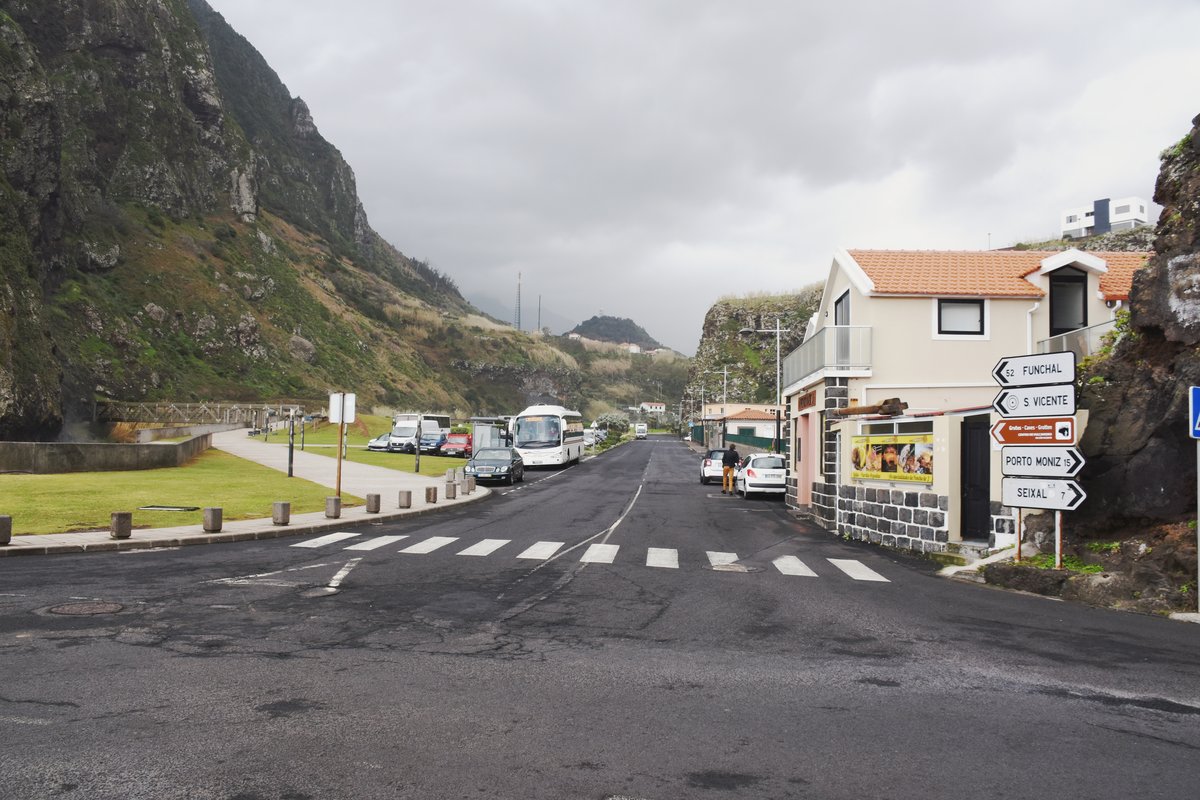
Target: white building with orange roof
x=926 y=328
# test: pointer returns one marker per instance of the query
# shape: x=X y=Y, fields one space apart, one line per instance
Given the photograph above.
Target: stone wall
x=44 y=458
x=900 y=518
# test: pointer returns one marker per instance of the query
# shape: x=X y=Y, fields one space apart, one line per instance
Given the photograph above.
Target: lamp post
x=778 y=331
x=724 y=371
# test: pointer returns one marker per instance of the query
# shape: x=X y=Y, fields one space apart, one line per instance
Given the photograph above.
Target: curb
x=274 y=532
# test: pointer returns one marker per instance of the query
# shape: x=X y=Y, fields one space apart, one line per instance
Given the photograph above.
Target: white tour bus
x=546 y=435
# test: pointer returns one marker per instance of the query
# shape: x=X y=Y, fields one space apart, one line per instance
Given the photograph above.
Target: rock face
x=1141 y=463
x=129 y=132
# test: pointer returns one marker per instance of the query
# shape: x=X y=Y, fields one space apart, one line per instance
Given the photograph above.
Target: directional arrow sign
x=1035 y=401
x=1051 y=430
x=1044 y=369
x=1056 y=495
x=1041 y=462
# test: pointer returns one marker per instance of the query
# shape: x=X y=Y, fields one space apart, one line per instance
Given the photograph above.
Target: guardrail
x=195 y=413
x=1083 y=342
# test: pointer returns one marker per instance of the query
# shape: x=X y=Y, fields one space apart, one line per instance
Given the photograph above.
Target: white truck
x=640 y=430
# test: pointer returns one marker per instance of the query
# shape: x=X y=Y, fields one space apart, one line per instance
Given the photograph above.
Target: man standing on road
x=728 y=465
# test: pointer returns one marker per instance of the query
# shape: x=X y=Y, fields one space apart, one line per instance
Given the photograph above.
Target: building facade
x=1103 y=216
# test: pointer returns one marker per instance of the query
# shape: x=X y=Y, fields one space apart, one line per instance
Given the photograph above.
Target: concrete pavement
x=357 y=479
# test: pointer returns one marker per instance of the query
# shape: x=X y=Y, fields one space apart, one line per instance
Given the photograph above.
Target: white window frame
x=982 y=336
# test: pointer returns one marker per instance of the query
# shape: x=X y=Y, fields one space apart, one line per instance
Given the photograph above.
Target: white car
x=710 y=466
x=762 y=473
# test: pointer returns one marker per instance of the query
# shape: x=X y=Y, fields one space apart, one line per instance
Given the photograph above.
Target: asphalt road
x=269 y=670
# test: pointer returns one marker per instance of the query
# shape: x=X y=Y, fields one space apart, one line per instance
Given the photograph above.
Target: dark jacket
x=731 y=458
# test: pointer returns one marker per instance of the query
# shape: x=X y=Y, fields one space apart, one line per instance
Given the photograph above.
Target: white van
x=404 y=438
x=640 y=430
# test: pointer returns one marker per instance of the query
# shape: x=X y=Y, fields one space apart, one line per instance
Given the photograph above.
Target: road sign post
x=1036 y=404
x=1194 y=432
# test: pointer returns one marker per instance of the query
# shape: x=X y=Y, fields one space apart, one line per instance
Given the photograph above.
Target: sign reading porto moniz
x=902 y=457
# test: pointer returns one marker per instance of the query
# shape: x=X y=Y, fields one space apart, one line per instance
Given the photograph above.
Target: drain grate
x=86 y=609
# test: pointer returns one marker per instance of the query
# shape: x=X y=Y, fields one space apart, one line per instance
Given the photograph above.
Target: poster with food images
x=902 y=457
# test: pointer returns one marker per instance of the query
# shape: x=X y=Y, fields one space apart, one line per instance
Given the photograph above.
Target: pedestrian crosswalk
x=595 y=553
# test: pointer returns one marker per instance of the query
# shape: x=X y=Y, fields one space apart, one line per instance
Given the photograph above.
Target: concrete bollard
x=451 y=490
x=430 y=494
x=372 y=504
x=213 y=519
x=470 y=484
x=120 y=524
x=404 y=499
x=449 y=474
x=333 y=507
x=281 y=513
x=5 y=529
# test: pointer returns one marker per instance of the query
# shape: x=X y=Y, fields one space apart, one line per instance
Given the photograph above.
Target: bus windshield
x=534 y=432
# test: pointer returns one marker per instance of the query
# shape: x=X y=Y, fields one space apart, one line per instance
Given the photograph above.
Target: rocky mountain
x=617 y=330
x=742 y=366
x=173 y=226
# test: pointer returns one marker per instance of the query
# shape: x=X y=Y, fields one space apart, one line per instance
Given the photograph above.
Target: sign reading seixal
x=1036 y=401
x=1044 y=369
x=1052 y=430
x=1055 y=495
x=1041 y=462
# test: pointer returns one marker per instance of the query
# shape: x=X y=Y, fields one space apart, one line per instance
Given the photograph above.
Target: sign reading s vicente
x=903 y=457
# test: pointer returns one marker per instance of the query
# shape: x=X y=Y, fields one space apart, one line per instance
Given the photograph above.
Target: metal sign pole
x=1017 y=557
x=417 y=448
x=341 y=427
x=1058 y=540
x=1198 y=526
x=291 y=440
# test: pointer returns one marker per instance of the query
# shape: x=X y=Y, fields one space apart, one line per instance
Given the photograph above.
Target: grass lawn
x=364 y=428
x=82 y=501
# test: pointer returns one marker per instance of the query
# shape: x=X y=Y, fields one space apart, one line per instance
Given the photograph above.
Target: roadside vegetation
x=84 y=501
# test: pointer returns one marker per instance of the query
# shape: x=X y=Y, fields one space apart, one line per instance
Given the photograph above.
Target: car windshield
x=771 y=462
x=716 y=454
x=404 y=430
x=492 y=455
x=541 y=431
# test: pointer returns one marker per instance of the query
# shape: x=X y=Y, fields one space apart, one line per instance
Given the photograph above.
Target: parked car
x=457 y=444
x=497 y=464
x=431 y=443
x=762 y=473
x=380 y=442
x=710 y=466
x=589 y=437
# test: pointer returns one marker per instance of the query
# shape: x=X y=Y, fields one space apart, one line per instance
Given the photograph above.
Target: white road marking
x=343 y=572
x=857 y=570
x=257 y=577
x=541 y=550
x=600 y=554
x=665 y=557
x=720 y=559
x=485 y=547
x=376 y=542
x=430 y=544
x=321 y=541
x=790 y=565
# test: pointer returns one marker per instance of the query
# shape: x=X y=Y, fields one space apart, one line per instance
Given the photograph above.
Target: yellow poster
x=902 y=457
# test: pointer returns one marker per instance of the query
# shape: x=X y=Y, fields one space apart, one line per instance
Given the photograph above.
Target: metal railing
x=1083 y=342
x=834 y=347
x=193 y=413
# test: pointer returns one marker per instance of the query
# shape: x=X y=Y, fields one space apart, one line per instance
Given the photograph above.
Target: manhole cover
x=86 y=609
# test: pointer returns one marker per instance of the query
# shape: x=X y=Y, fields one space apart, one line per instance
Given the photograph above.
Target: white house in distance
x=1103 y=216
x=926 y=328
x=651 y=407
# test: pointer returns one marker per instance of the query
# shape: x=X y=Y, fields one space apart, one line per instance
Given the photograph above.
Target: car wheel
x=703 y=481
x=521 y=476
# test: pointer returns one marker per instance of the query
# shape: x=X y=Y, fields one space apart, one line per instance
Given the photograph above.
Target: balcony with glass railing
x=1083 y=342
x=832 y=349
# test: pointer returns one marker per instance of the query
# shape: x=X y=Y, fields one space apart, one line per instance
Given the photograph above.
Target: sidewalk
x=357 y=479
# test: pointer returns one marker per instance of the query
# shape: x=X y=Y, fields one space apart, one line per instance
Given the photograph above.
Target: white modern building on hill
x=1104 y=216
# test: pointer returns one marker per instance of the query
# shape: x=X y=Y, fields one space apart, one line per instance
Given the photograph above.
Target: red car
x=457 y=444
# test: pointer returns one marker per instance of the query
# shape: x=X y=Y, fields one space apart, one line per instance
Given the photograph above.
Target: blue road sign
x=1194 y=412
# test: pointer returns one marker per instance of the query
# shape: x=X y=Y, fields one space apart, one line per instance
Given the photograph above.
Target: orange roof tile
x=752 y=414
x=980 y=273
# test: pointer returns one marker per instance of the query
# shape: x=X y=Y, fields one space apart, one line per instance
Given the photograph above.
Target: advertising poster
x=903 y=457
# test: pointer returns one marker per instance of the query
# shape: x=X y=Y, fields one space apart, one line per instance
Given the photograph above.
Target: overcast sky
x=643 y=158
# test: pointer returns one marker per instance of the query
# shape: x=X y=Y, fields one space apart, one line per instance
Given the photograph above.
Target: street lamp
x=778 y=389
x=724 y=371
x=777 y=331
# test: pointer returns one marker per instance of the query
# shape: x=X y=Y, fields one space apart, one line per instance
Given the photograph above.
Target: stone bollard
x=372 y=504
x=5 y=529
x=120 y=524
x=213 y=518
x=470 y=484
x=404 y=499
x=281 y=513
x=451 y=490
x=333 y=507
x=450 y=475
x=430 y=494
